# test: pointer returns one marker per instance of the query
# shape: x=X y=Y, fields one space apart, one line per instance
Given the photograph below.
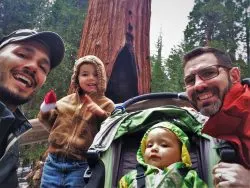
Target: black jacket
x=12 y=126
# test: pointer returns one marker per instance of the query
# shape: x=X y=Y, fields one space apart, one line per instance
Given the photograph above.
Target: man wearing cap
x=26 y=58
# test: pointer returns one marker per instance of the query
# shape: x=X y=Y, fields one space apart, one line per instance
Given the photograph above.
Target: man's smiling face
x=24 y=67
x=207 y=95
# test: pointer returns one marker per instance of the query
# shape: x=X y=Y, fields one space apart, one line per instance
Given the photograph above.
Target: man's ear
x=234 y=74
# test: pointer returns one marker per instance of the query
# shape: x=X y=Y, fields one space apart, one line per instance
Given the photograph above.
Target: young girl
x=165 y=160
x=73 y=122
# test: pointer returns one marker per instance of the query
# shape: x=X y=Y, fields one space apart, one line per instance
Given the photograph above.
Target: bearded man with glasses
x=213 y=85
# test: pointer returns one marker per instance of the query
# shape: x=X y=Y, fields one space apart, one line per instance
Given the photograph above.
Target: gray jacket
x=12 y=126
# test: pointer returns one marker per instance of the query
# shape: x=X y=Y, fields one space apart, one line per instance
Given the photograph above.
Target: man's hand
x=231 y=175
x=49 y=101
x=93 y=107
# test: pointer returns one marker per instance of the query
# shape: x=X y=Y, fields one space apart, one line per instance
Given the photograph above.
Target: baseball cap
x=52 y=41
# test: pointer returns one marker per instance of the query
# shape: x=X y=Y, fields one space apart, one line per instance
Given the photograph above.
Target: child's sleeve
x=123 y=183
x=108 y=107
x=128 y=179
x=192 y=180
x=47 y=118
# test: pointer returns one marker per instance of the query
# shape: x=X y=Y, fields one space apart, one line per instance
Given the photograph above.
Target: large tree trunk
x=117 y=31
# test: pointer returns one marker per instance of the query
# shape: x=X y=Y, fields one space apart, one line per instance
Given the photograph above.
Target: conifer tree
x=158 y=76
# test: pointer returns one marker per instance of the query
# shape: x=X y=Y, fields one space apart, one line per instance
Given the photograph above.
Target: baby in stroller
x=164 y=160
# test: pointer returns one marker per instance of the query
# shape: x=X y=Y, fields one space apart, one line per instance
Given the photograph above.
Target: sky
x=170 y=17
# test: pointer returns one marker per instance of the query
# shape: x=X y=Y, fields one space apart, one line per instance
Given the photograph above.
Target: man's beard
x=215 y=107
x=212 y=108
x=10 y=98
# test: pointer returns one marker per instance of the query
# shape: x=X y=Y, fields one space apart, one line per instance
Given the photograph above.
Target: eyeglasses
x=206 y=73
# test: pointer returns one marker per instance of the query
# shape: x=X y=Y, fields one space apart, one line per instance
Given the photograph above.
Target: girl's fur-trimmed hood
x=101 y=74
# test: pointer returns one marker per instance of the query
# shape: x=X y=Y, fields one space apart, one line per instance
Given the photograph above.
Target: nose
x=31 y=66
x=154 y=148
x=93 y=77
x=199 y=83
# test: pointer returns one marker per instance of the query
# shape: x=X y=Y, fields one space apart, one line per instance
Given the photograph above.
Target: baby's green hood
x=177 y=131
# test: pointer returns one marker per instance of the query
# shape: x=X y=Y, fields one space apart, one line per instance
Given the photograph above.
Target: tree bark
x=117 y=31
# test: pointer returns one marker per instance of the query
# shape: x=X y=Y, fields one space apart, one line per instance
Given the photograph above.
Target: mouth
x=154 y=156
x=92 y=85
x=205 y=96
x=27 y=80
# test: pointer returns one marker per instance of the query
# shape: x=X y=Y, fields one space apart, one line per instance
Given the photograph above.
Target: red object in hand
x=50 y=97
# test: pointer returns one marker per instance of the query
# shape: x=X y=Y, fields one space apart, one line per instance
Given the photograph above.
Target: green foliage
x=18 y=14
x=158 y=82
x=216 y=23
x=175 y=70
x=31 y=153
x=66 y=18
x=167 y=74
x=243 y=67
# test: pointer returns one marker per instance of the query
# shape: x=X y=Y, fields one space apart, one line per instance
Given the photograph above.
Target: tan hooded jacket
x=72 y=128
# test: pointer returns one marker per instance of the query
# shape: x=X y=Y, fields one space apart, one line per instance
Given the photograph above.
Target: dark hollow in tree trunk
x=122 y=84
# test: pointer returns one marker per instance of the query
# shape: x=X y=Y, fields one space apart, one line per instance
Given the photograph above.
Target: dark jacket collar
x=18 y=122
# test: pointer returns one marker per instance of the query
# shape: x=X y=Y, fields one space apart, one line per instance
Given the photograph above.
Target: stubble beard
x=212 y=108
x=215 y=107
x=13 y=99
x=8 y=97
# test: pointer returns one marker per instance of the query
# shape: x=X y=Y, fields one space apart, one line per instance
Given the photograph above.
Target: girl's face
x=163 y=148
x=88 y=78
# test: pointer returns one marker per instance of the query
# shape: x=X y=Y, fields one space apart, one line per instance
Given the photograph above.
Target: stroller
x=113 y=151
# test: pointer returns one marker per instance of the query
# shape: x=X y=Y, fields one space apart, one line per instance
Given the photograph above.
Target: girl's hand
x=93 y=107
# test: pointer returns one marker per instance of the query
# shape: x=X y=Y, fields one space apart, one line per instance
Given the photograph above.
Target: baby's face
x=163 y=148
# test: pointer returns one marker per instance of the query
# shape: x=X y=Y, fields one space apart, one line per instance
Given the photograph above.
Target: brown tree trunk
x=117 y=31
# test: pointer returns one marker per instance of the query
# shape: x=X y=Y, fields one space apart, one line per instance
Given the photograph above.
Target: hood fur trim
x=101 y=74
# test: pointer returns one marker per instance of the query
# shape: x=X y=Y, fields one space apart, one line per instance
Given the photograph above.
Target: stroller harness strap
x=140 y=176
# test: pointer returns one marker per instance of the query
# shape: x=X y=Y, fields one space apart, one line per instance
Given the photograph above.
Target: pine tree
x=19 y=14
x=175 y=70
x=158 y=76
x=216 y=23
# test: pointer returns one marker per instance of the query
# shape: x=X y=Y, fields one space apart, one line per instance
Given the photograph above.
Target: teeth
x=22 y=78
x=205 y=96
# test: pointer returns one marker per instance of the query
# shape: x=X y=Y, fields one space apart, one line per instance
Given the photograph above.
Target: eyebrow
x=160 y=139
x=84 y=71
x=193 y=72
x=32 y=50
x=26 y=48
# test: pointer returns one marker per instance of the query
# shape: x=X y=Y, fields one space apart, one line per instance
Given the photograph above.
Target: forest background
x=223 y=24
